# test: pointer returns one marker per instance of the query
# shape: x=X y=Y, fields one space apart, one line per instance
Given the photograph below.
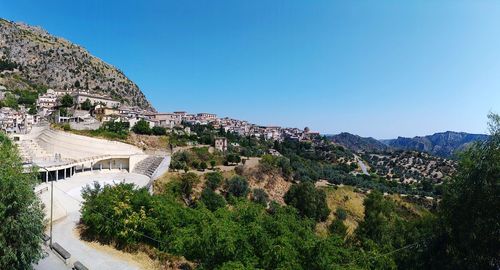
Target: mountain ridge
x=357 y=143
x=55 y=62
x=444 y=144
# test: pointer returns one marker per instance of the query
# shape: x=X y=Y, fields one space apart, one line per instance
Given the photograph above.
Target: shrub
x=233 y=158
x=142 y=127
x=341 y=214
x=237 y=186
x=260 y=196
x=338 y=228
x=188 y=180
x=86 y=105
x=214 y=179
x=203 y=166
x=212 y=200
x=67 y=101
x=158 y=131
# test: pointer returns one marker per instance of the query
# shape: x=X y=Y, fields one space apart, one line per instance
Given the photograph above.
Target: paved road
x=362 y=165
x=67 y=194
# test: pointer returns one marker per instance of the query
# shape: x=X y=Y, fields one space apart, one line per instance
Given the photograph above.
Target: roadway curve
x=362 y=165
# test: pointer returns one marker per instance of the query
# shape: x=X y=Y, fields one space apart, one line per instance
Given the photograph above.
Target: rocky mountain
x=358 y=144
x=43 y=59
x=444 y=144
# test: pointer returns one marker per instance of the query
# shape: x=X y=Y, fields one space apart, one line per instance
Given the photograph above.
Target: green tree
x=203 y=166
x=10 y=101
x=470 y=208
x=158 y=131
x=338 y=228
x=32 y=110
x=188 y=180
x=213 y=163
x=67 y=101
x=86 y=105
x=233 y=158
x=26 y=97
x=214 y=179
x=260 y=196
x=63 y=111
x=310 y=201
x=142 y=127
x=237 y=186
x=212 y=200
x=379 y=219
x=21 y=215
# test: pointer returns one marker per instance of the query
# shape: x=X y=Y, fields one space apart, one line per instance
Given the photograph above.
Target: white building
x=47 y=101
x=80 y=97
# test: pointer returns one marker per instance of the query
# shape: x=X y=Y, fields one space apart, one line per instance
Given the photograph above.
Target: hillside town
x=89 y=110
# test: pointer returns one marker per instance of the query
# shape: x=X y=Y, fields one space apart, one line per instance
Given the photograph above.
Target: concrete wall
x=115 y=164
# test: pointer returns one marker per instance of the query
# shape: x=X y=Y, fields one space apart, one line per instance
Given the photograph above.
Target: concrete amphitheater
x=59 y=155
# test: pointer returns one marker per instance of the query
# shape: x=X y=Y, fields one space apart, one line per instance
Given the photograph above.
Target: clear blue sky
x=374 y=68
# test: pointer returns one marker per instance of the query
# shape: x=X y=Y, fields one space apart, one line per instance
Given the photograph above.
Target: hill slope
x=59 y=64
x=357 y=143
x=444 y=144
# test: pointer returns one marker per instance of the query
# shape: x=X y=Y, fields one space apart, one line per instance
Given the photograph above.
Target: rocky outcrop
x=444 y=144
x=57 y=63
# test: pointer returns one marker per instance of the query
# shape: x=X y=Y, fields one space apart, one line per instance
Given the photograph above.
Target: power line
x=393 y=251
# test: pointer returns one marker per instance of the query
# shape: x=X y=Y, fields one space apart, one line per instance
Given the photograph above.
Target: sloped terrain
x=445 y=144
x=410 y=166
x=57 y=63
x=357 y=143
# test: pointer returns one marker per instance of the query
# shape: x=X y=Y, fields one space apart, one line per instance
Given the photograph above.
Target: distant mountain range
x=444 y=144
x=357 y=143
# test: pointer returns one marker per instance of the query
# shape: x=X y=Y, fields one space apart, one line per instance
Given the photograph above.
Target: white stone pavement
x=67 y=198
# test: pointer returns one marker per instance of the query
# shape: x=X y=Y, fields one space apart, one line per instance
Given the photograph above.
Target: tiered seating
x=148 y=166
x=78 y=147
x=30 y=150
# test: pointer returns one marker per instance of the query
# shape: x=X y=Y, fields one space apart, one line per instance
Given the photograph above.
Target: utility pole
x=51 y=208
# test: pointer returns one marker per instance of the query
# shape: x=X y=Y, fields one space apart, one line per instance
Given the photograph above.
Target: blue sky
x=373 y=68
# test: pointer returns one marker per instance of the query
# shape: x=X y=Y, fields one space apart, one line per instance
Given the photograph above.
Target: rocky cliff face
x=444 y=144
x=59 y=64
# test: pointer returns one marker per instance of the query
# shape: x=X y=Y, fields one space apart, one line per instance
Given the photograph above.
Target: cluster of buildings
x=16 y=121
x=105 y=109
x=21 y=119
x=241 y=127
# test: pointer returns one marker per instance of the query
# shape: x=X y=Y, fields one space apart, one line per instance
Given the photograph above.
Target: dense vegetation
x=200 y=158
x=27 y=98
x=21 y=216
x=463 y=233
x=247 y=236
